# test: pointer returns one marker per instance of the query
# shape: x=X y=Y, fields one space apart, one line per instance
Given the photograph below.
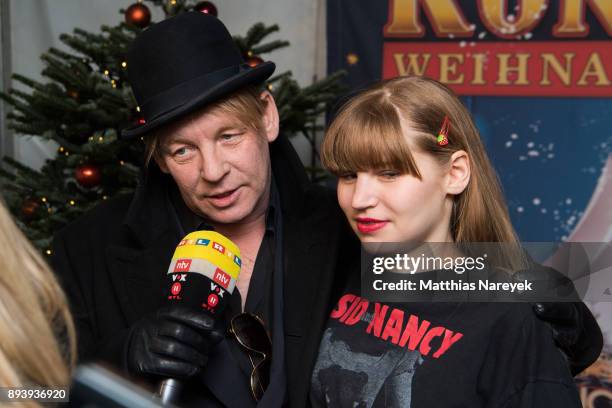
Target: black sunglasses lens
x=252 y=333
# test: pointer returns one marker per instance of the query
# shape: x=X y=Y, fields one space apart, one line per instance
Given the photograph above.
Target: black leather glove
x=574 y=328
x=575 y=331
x=174 y=342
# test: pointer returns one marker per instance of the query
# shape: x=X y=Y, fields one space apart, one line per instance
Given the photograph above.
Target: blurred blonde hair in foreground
x=37 y=335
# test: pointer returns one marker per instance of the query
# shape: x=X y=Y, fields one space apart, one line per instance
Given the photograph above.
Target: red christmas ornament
x=206 y=7
x=138 y=15
x=87 y=175
x=73 y=93
x=254 y=61
x=29 y=208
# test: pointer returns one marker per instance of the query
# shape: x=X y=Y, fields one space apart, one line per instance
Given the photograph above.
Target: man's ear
x=270 y=119
x=459 y=172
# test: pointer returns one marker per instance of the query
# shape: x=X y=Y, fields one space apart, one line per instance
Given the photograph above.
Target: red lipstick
x=369 y=225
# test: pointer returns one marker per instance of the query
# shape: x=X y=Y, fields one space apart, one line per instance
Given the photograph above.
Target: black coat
x=113 y=260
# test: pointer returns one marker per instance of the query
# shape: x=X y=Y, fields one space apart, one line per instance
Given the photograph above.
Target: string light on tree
x=138 y=15
x=206 y=7
x=352 y=58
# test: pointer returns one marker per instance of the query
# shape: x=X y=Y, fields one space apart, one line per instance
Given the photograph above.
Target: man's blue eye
x=180 y=152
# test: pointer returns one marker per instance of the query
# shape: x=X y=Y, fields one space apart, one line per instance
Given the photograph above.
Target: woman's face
x=385 y=206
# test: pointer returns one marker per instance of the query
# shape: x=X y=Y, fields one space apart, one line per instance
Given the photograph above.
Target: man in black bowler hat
x=215 y=160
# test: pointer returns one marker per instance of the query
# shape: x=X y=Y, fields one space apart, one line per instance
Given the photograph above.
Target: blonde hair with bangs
x=378 y=128
x=245 y=105
x=37 y=335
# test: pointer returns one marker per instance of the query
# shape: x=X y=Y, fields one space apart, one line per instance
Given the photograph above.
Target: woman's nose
x=364 y=194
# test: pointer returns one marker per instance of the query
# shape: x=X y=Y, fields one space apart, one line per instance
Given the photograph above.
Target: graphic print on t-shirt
x=370 y=352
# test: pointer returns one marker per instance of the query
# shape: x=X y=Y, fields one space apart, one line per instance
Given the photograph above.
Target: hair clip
x=443 y=134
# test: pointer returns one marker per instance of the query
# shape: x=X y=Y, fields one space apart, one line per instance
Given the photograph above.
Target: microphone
x=202 y=275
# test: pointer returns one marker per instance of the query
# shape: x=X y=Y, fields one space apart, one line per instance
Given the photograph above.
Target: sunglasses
x=250 y=332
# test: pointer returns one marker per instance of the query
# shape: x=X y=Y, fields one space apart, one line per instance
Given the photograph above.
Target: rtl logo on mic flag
x=203 y=271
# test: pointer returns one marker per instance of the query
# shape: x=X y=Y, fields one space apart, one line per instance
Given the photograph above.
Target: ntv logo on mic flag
x=182 y=265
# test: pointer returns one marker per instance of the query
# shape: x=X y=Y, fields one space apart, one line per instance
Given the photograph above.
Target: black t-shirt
x=438 y=355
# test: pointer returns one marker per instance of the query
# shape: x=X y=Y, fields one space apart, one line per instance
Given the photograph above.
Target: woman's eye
x=389 y=174
x=347 y=176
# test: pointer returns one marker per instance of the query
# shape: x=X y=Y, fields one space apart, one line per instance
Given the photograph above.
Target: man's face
x=221 y=166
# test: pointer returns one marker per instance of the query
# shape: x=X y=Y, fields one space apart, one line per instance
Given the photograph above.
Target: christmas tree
x=84 y=103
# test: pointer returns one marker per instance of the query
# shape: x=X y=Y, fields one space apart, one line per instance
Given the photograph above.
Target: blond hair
x=380 y=126
x=245 y=105
x=37 y=335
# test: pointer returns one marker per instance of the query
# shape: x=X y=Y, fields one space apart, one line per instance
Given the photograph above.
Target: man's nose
x=214 y=166
x=364 y=194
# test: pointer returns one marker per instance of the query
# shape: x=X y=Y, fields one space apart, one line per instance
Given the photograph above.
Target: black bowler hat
x=183 y=63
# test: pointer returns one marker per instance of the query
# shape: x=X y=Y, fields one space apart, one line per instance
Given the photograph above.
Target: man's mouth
x=225 y=198
x=222 y=195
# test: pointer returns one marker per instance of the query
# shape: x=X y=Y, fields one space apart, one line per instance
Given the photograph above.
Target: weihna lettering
x=392 y=325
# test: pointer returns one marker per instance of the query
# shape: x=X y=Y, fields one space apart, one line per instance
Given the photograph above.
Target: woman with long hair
x=37 y=337
x=412 y=169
